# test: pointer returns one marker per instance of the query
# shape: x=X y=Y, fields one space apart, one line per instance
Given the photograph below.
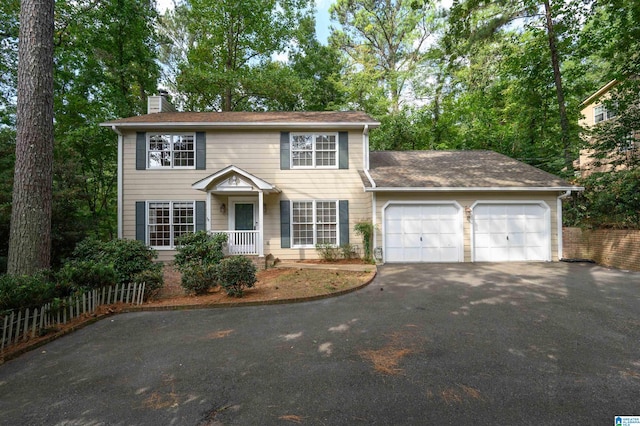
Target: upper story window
x=311 y=150
x=171 y=151
x=601 y=113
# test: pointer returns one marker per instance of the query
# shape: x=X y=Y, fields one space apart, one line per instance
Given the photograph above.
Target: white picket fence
x=29 y=323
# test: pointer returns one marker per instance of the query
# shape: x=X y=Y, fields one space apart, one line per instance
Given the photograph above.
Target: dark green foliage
x=20 y=292
x=236 y=273
x=198 y=278
x=86 y=275
x=200 y=247
x=127 y=257
x=152 y=278
x=365 y=229
x=610 y=200
x=197 y=256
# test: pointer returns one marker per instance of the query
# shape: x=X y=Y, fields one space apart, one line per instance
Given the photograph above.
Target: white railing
x=242 y=242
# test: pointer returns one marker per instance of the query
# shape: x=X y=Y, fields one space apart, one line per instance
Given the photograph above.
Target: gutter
x=119 y=178
x=476 y=189
x=238 y=125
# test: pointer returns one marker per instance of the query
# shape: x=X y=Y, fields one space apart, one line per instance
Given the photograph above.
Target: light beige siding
x=468 y=199
x=257 y=153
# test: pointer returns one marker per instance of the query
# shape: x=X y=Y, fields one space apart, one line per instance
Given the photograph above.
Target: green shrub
x=235 y=273
x=86 y=275
x=200 y=247
x=365 y=229
x=20 y=292
x=127 y=257
x=348 y=251
x=328 y=252
x=153 y=279
x=198 y=279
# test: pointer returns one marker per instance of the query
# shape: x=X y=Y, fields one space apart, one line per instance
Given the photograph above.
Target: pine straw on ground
x=273 y=285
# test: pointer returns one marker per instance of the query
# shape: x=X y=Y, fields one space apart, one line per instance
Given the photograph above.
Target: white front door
x=511 y=232
x=423 y=233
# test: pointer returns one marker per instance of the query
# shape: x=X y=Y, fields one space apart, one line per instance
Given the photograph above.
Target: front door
x=244 y=217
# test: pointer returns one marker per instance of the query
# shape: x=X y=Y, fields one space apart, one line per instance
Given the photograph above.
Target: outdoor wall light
x=223 y=208
x=467 y=212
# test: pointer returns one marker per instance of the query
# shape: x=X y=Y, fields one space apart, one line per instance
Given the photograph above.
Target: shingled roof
x=247 y=119
x=457 y=170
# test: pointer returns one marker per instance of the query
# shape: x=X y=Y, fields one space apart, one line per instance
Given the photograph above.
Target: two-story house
x=594 y=112
x=281 y=182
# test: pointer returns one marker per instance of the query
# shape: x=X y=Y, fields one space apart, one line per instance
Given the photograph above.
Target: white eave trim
x=477 y=189
x=259 y=183
x=243 y=125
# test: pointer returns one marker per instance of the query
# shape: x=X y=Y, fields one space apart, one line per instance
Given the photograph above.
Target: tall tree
x=477 y=21
x=231 y=45
x=30 y=233
x=384 y=41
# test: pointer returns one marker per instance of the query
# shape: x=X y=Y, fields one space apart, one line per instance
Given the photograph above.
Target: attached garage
x=463 y=206
x=511 y=232
x=423 y=232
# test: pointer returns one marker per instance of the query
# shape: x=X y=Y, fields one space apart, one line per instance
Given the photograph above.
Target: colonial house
x=594 y=112
x=281 y=182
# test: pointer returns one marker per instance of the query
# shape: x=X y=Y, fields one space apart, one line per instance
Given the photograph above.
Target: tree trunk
x=30 y=234
x=555 y=62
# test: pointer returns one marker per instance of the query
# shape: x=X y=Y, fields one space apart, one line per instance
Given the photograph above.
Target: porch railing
x=242 y=242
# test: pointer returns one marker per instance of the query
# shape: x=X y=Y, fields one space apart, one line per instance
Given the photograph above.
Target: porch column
x=260 y=223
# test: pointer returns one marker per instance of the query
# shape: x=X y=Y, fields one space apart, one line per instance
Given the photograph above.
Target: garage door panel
x=423 y=233
x=511 y=232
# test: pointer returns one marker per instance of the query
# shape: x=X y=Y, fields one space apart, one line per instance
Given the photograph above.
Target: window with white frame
x=169 y=220
x=314 y=222
x=171 y=151
x=309 y=150
x=601 y=113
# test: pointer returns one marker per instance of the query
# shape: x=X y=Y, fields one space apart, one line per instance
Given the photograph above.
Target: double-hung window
x=314 y=150
x=601 y=113
x=171 y=151
x=314 y=222
x=169 y=220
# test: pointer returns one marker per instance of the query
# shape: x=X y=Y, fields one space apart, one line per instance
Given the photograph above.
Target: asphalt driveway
x=456 y=344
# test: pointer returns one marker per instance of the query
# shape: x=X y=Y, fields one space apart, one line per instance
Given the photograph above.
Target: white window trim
x=606 y=114
x=171 y=246
x=172 y=167
x=313 y=150
x=315 y=222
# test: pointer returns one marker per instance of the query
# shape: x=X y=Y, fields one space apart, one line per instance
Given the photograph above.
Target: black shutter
x=285 y=151
x=141 y=218
x=201 y=150
x=343 y=150
x=141 y=151
x=201 y=216
x=343 y=211
x=285 y=224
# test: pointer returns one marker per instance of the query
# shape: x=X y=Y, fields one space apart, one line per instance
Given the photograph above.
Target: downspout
x=374 y=207
x=119 y=178
x=559 y=219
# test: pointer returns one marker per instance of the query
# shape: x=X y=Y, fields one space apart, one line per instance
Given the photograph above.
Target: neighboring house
x=594 y=112
x=281 y=182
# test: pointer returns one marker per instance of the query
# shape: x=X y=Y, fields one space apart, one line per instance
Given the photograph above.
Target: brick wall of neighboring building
x=619 y=248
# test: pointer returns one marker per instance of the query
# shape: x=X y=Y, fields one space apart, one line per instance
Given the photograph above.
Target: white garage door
x=423 y=233
x=511 y=232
